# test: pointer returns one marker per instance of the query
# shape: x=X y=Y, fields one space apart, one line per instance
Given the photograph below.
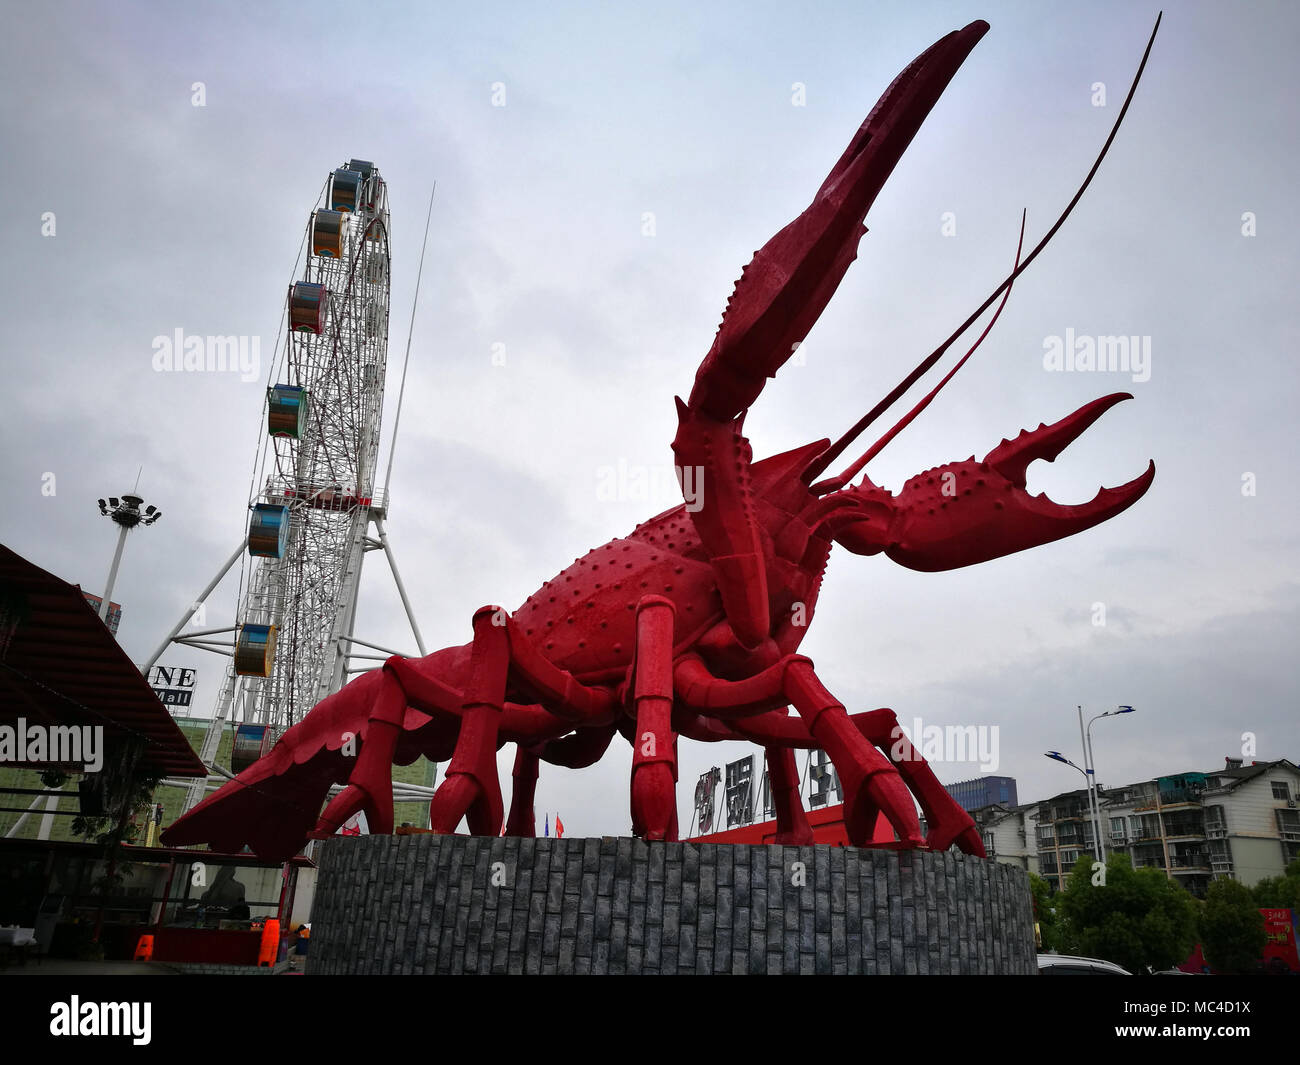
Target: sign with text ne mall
x=174 y=687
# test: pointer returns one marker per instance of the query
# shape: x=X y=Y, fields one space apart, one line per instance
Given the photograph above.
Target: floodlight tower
x=126 y=514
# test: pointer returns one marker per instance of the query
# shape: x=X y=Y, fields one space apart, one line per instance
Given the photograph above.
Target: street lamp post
x=126 y=514
x=1091 y=763
x=1094 y=806
x=1059 y=757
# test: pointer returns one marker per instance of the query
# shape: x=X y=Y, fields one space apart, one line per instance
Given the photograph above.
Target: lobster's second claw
x=791 y=279
x=969 y=512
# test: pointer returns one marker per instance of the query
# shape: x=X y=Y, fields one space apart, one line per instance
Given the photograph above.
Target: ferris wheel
x=314 y=495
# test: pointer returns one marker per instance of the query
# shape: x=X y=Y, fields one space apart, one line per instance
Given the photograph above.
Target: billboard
x=705 y=790
x=1280 y=945
x=173 y=686
x=822 y=780
x=740 y=792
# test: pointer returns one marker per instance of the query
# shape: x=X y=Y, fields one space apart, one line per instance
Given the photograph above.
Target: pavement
x=68 y=967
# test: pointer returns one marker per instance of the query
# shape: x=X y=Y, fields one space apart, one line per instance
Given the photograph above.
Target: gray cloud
x=171 y=216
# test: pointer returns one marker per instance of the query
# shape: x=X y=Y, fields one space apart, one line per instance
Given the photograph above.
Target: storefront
x=200 y=908
x=91 y=893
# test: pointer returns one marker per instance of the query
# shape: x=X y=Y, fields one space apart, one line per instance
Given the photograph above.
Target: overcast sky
x=173 y=216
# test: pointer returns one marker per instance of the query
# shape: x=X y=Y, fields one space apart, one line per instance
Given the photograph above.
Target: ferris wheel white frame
x=318 y=481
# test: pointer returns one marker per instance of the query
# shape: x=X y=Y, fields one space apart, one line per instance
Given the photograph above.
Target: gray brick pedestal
x=455 y=904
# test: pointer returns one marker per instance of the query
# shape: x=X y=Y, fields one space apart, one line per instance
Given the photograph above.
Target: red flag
x=559 y=827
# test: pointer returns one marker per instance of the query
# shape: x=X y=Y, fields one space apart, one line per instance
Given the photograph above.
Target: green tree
x=1281 y=892
x=1135 y=918
x=1232 y=928
x=1045 y=913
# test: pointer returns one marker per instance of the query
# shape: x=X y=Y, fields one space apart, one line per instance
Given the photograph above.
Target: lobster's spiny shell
x=584 y=619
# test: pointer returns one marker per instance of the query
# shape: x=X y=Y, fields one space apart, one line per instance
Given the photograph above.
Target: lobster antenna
x=819 y=464
x=836 y=483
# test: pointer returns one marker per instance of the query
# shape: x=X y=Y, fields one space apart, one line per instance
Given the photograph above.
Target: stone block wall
x=456 y=904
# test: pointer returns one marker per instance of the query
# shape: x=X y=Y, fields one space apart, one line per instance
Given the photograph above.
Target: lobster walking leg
x=501 y=657
x=783 y=778
x=523 y=820
x=654 y=746
x=871 y=784
x=370 y=784
x=578 y=750
x=471 y=788
x=948 y=823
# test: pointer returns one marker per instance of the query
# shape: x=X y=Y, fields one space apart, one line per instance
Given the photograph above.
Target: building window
x=1214 y=820
x=1281 y=790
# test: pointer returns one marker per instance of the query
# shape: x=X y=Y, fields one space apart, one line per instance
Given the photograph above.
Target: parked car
x=1070 y=965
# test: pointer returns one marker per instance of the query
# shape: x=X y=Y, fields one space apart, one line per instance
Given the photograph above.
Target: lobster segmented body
x=690 y=625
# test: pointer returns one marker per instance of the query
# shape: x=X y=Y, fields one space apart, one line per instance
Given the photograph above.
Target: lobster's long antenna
x=818 y=465
x=836 y=483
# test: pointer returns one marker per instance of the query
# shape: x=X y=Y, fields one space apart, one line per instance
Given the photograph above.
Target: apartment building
x=1064 y=832
x=1160 y=824
x=1240 y=822
x=1010 y=833
x=1252 y=819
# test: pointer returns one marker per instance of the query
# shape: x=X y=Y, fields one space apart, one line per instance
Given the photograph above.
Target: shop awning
x=59 y=665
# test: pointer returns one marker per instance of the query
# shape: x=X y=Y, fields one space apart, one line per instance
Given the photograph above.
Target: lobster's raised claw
x=969 y=512
x=789 y=282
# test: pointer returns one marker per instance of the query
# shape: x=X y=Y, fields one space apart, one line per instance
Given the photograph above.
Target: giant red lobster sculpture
x=691 y=625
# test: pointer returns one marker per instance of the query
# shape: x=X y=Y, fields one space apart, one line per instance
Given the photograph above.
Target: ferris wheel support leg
x=203 y=595
x=401 y=588
x=341 y=662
